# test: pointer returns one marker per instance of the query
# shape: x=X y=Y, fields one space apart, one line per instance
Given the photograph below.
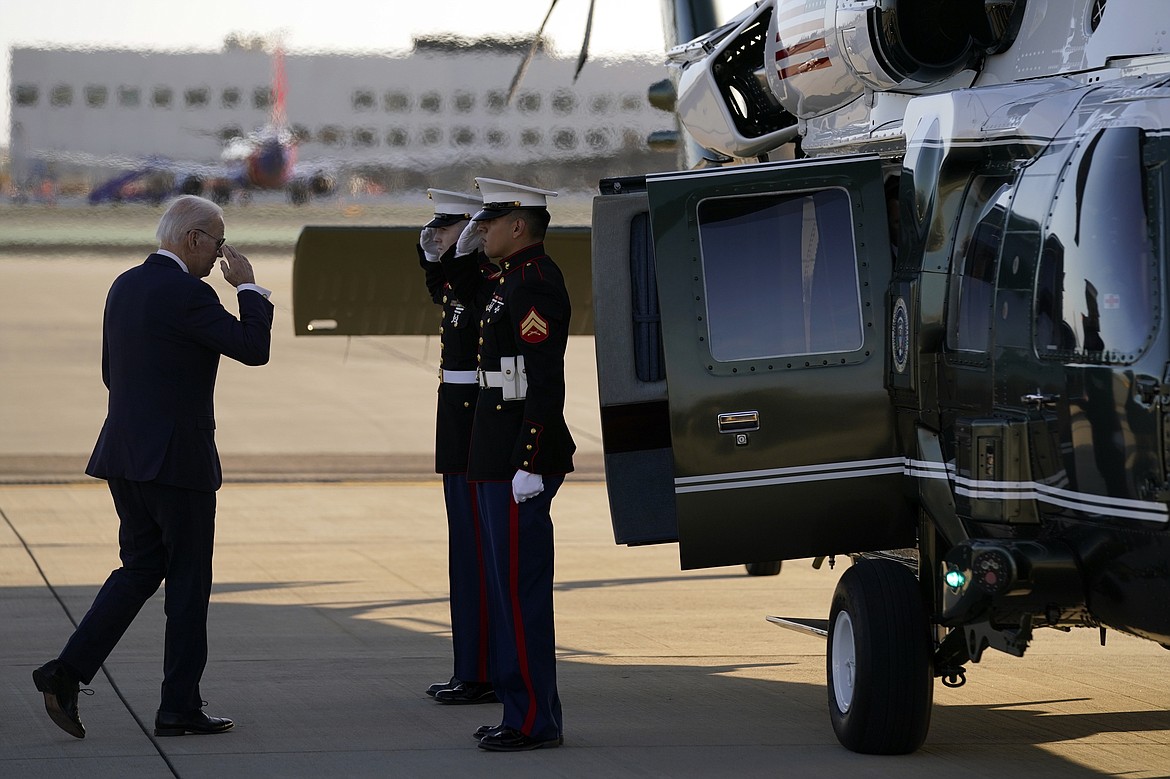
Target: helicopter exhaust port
x=1002 y=581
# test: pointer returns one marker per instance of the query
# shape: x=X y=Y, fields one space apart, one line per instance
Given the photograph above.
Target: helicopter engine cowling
x=824 y=59
x=743 y=88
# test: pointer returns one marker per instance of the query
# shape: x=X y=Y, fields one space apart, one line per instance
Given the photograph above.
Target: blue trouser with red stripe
x=518 y=543
x=465 y=568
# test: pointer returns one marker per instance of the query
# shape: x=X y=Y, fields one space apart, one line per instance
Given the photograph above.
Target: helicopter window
x=780 y=274
x=973 y=290
x=1096 y=290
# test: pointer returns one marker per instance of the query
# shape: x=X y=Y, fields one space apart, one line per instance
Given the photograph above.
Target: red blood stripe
x=517 y=616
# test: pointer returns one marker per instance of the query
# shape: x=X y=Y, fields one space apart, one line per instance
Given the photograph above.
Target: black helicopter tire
x=770 y=568
x=878 y=662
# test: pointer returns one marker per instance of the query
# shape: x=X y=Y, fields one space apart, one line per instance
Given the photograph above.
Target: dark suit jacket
x=163 y=333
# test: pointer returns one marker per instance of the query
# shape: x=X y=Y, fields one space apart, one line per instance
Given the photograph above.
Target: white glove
x=470 y=240
x=526 y=485
x=428 y=239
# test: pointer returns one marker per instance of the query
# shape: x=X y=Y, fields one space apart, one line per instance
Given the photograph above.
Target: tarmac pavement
x=329 y=615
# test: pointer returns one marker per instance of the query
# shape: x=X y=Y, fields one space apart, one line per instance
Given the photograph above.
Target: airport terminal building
x=421 y=117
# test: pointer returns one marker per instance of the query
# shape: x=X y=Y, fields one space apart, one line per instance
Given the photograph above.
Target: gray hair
x=184 y=214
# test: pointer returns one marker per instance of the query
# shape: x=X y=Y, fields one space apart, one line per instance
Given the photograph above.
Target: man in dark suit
x=163 y=333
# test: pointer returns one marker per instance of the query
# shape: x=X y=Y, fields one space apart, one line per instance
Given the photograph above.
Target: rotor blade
x=584 y=55
x=529 y=56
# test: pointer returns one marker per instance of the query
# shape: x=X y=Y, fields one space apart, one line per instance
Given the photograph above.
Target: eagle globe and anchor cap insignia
x=533 y=327
x=900 y=335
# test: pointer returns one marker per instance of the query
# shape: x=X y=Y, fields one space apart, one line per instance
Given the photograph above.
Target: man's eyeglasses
x=218 y=241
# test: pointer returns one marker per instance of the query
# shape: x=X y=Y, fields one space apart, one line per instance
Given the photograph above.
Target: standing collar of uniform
x=516 y=259
x=174 y=257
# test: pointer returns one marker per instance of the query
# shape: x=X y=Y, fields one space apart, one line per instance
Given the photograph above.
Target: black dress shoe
x=169 y=724
x=434 y=688
x=484 y=730
x=60 y=688
x=468 y=692
x=508 y=739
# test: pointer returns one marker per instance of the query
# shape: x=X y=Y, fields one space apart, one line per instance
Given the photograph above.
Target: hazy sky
x=619 y=26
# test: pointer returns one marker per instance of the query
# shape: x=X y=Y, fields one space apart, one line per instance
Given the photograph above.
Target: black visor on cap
x=494 y=210
x=442 y=220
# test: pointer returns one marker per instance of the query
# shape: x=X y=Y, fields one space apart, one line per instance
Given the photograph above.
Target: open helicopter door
x=772 y=282
x=631 y=377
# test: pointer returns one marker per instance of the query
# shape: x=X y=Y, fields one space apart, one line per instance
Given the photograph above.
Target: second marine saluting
x=458 y=390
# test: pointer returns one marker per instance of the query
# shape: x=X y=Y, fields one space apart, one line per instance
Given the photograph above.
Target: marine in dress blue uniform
x=521 y=450
x=457 y=393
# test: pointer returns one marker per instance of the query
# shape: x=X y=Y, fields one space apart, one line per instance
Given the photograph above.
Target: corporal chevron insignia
x=534 y=327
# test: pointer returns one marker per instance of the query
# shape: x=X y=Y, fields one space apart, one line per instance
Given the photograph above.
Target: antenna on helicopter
x=538 y=40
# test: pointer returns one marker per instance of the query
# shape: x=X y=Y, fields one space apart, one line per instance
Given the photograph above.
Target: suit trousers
x=469 y=609
x=518 y=538
x=166 y=533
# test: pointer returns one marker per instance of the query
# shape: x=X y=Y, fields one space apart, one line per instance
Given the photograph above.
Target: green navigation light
x=955 y=579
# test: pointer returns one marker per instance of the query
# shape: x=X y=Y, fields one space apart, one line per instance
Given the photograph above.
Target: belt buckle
x=481 y=378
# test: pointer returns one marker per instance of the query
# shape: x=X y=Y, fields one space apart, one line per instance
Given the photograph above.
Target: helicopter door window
x=1096 y=291
x=780 y=274
x=971 y=305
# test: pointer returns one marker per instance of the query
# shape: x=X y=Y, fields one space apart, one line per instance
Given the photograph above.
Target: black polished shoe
x=60 y=689
x=468 y=692
x=484 y=730
x=508 y=739
x=169 y=724
x=434 y=688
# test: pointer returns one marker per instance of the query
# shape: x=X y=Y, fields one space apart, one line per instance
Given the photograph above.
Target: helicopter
x=907 y=305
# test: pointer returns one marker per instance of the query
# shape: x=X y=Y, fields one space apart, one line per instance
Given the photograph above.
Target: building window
x=363 y=136
x=363 y=100
x=462 y=136
x=197 y=97
x=599 y=139
x=129 y=97
x=262 y=98
x=96 y=95
x=230 y=133
x=431 y=102
x=565 y=139
x=61 y=95
x=161 y=97
x=26 y=94
x=564 y=101
x=300 y=133
x=600 y=104
x=632 y=139
x=331 y=135
x=396 y=136
x=530 y=137
x=464 y=102
x=529 y=102
x=431 y=136
x=497 y=138
x=497 y=101
x=396 y=102
x=230 y=97
x=782 y=296
x=631 y=104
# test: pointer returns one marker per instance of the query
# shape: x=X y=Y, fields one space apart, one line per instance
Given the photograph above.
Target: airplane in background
x=264 y=160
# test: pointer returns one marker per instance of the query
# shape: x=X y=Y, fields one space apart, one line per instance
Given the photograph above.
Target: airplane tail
x=279 y=89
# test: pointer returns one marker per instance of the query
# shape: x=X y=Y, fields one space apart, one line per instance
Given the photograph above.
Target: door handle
x=1039 y=399
x=739 y=422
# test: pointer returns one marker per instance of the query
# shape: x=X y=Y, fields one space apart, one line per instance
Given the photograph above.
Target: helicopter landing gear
x=770 y=568
x=880 y=680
